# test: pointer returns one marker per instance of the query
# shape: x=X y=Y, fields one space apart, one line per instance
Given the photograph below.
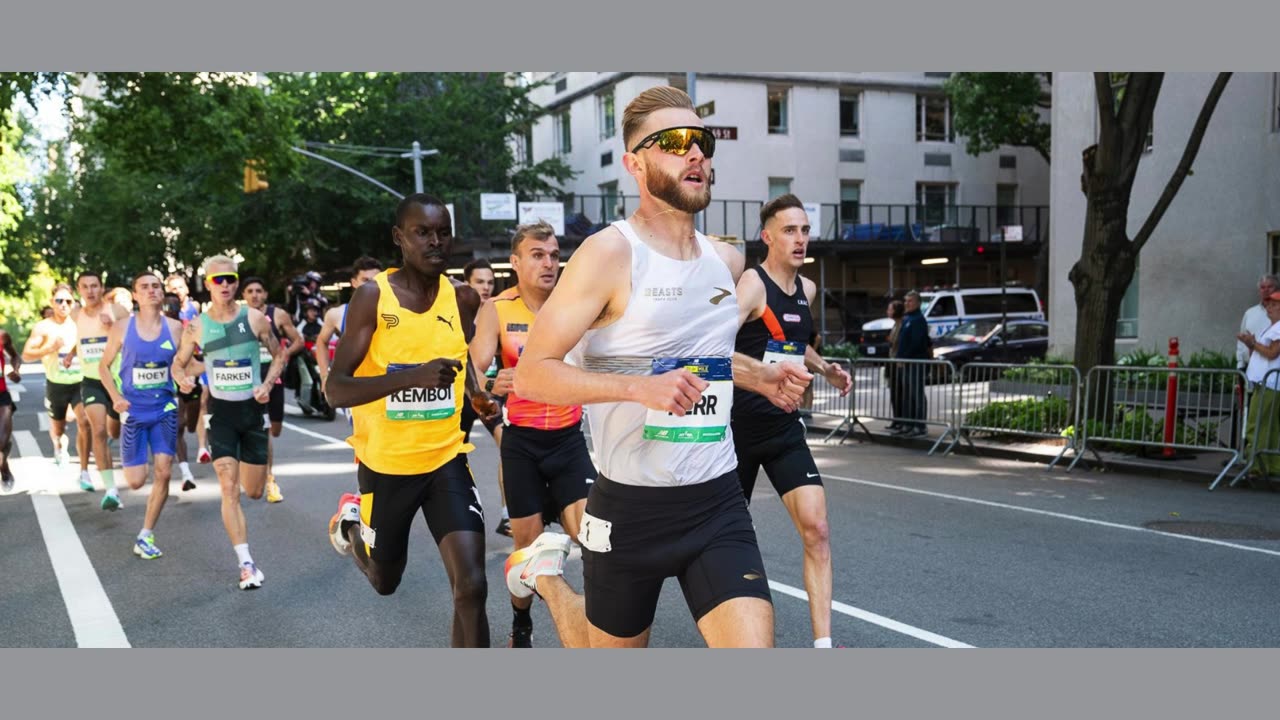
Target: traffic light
x=253 y=182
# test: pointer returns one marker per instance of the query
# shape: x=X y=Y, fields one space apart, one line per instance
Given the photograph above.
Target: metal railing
x=1037 y=401
x=847 y=222
x=1126 y=405
x=1262 y=429
x=914 y=393
x=826 y=401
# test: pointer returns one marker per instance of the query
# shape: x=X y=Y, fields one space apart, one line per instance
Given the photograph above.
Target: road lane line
x=1058 y=515
x=93 y=619
x=873 y=618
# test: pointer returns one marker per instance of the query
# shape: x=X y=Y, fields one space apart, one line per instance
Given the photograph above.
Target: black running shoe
x=6 y=481
x=520 y=637
x=504 y=527
x=188 y=485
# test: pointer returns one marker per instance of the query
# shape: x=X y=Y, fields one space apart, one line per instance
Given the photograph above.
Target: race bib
x=150 y=376
x=75 y=364
x=420 y=403
x=709 y=419
x=776 y=351
x=231 y=375
x=91 y=349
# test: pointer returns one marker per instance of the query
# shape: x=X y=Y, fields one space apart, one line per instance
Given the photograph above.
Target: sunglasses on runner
x=678 y=140
x=224 y=278
x=63 y=301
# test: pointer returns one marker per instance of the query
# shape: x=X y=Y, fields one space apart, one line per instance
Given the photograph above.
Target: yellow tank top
x=418 y=430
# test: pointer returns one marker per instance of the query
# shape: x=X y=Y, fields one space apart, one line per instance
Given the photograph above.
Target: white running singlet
x=683 y=310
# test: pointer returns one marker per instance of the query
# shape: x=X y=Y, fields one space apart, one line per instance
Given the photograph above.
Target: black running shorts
x=545 y=470
x=92 y=392
x=236 y=430
x=634 y=538
x=778 y=445
x=59 y=396
x=446 y=496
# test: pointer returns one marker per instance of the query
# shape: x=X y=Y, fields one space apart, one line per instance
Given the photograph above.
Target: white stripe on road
x=42 y=419
x=874 y=619
x=93 y=619
x=1060 y=516
x=336 y=442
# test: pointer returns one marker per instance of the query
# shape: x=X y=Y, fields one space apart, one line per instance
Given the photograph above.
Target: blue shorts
x=159 y=435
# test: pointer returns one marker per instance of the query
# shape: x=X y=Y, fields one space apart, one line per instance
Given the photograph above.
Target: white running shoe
x=545 y=556
x=250 y=577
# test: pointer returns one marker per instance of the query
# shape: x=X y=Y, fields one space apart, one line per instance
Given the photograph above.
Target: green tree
x=992 y=109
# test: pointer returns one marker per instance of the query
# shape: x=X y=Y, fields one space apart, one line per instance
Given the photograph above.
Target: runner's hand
x=67 y=360
x=504 y=383
x=785 y=383
x=14 y=376
x=262 y=393
x=187 y=384
x=675 y=392
x=485 y=406
x=121 y=405
x=439 y=373
x=839 y=378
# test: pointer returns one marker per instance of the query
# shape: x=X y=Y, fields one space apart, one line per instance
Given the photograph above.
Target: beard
x=667 y=189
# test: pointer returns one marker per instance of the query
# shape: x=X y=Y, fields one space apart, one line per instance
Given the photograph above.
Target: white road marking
x=874 y=619
x=1060 y=516
x=42 y=419
x=93 y=619
x=337 y=443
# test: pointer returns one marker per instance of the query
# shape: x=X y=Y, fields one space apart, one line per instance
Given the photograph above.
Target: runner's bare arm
x=327 y=329
x=344 y=389
x=751 y=298
x=484 y=345
x=736 y=261
x=262 y=330
x=469 y=306
x=115 y=339
x=38 y=344
x=296 y=343
x=592 y=292
x=186 y=349
x=14 y=360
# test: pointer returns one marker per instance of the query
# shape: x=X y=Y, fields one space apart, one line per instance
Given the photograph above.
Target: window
x=606 y=159
x=1006 y=205
x=935 y=203
x=1008 y=162
x=607 y=119
x=1275 y=102
x=942 y=306
x=679 y=81
x=561 y=85
x=778 y=111
x=850 y=200
x=849 y=114
x=779 y=186
x=1020 y=301
x=609 y=201
x=1119 y=81
x=564 y=134
x=1273 y=245
x=933 y=119
x=1127 y=324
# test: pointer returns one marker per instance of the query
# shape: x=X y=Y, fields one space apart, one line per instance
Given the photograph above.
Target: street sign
x=706 y=109
x=1012 y=233
x=723 y=133
x=814 y=211
x=497 y=206
x=550 y=212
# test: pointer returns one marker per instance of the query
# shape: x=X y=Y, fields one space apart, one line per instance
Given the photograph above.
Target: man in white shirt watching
x=1253 y=323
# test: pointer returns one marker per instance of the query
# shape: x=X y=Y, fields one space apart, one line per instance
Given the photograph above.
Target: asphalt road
x=928 y=551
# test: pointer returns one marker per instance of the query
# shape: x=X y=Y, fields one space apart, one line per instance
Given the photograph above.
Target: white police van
x=946 y=309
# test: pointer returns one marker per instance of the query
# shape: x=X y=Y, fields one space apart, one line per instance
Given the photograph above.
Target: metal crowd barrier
x=1126 y=405
x=1038 y=401
x=826 y=401
x=914 y=392
x=1262 y=428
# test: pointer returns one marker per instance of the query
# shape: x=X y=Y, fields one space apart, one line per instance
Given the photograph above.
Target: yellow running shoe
x=273 y=490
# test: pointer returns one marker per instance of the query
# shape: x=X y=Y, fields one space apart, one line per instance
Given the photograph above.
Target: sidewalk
x=1201 y=467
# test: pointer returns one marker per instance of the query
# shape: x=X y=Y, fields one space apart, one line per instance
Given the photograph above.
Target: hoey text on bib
x=708 y=421
x=150 y=376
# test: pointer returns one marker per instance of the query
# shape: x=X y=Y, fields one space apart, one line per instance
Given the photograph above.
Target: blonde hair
x=540 y=230
x=219 y=260
x=647 y=103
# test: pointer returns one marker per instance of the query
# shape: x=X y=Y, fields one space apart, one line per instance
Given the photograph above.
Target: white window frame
x=922 y=112
x=949 y=206
x=857 y=184
x=778 y=181
x=609 y=190
x=563 y=127
x=608 y=123
x=770 y=92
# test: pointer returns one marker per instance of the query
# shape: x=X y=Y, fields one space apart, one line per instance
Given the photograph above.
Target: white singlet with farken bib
x=678 y=309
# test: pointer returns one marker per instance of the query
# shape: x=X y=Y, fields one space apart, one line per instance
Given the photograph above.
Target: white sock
x=185 y=469
x=84 y=475
x=146 y=534
x=109 y=480
x=242 y=554
x=822 y=643
x=505 y=516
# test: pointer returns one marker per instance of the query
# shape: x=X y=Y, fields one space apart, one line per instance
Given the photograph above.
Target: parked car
x=947 y=309
x=986 y=340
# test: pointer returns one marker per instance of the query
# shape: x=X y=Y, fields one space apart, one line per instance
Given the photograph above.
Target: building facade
x=1198 y=272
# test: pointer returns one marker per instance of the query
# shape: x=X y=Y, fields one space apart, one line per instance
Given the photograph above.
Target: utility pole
x=417 y=154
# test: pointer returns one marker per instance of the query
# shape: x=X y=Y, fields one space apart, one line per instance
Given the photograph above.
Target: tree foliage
x=991 y=109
